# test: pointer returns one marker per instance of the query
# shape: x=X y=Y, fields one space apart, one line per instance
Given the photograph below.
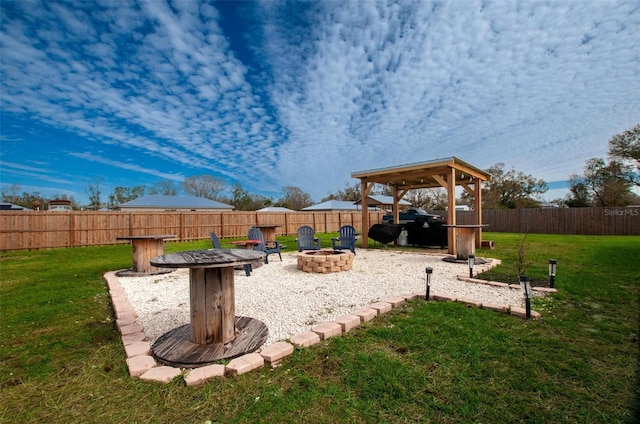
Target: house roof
x=12 y=207
x=275 y=209
x=334 y=205
x=174 y=202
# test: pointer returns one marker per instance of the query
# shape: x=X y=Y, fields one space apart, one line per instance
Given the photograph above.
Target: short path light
x=429 y=271
x=526 y=287
x=472 y=261
x=552 y=272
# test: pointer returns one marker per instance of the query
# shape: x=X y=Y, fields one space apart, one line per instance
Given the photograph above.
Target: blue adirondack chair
x=307 y=239
x=215 y=241
x=216 y=245
x=347 y=239
x=268 y=247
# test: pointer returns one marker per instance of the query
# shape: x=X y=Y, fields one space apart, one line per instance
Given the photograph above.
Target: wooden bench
x=487 y=244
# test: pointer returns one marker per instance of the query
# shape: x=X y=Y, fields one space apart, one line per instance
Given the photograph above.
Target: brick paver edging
x=142 y=365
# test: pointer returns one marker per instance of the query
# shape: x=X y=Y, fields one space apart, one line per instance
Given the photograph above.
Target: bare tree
x=244 y=201
x=164 y=188
x=125 y=194
x=350 y=193
x=428 y=198
x=522 y=264
x=204 y=186
x=294 y=198
x=94 y=193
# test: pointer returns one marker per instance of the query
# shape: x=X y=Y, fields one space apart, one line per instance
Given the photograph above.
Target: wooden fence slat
x=20 y=230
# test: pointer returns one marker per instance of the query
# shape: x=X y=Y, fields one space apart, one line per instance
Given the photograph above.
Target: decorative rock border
x=142 y=365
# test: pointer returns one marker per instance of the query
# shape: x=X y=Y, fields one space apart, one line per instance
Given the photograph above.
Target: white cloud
x=126 y=165
x=340 y=86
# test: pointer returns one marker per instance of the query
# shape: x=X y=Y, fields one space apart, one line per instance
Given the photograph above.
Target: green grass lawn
x=62 y=359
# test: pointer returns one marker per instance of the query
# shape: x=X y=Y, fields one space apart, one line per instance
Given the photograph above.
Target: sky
x=269 y=94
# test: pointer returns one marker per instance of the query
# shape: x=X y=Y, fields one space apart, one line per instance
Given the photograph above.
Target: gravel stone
x=291 y=302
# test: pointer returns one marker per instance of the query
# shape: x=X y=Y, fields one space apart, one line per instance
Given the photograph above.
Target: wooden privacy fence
x=585 y=221
x=41 y=230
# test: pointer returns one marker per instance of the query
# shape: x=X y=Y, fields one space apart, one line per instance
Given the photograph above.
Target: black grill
x=385 y=233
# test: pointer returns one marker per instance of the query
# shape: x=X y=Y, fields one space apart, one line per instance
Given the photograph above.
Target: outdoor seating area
x=300 y=309
x=346 y=240
x=357 y=286
x=307 y=239
x=269 y=247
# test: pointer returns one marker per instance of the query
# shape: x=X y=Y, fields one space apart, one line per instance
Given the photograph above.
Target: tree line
x=604 y=182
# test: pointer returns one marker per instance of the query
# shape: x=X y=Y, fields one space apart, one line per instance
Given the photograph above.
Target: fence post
x=181 y=235
x=71 y=230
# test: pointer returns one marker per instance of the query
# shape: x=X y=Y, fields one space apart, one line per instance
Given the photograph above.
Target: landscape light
x=526 y=287
x=429 y=271
x=472 y=261
x=552 y=272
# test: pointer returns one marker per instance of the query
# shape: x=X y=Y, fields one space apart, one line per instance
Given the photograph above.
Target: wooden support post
x=365 y=189
x=477 y=206
x=451 y=212
x=212 y=305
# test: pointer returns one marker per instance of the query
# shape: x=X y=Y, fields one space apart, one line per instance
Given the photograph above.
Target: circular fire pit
x=325 y=261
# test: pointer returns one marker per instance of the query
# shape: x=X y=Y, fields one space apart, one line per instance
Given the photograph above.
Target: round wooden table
x=268 y=231
x=214 y=332
x=145 y=248
x=465 y=239
x=247 y=244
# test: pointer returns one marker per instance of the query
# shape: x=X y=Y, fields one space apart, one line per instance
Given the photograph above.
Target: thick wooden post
x=212 y=305
x=477 y=206
x=365 y=214
x=464 y=242
x=451 y=212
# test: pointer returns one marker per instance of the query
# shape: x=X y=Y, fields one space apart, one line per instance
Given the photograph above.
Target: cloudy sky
x=273 y=94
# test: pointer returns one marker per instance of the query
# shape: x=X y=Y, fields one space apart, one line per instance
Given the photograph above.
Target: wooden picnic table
x=144 y=249
x=215 y=332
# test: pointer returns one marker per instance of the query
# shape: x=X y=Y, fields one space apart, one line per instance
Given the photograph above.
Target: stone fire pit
x=325 y=261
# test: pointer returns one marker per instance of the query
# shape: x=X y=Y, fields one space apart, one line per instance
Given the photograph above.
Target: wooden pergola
x=448 y=173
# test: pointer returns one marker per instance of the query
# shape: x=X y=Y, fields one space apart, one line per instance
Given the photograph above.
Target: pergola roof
x=379 y=200
x=423 y=174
